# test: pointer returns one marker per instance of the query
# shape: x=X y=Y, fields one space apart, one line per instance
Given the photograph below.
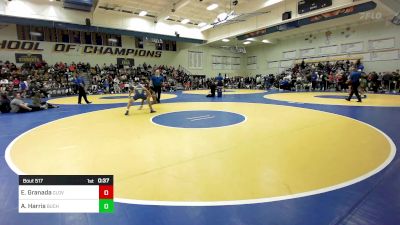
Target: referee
x=157 y=81
x=80 y=84
x=355 y=83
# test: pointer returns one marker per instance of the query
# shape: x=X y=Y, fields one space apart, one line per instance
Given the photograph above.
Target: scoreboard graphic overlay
x=66 y=194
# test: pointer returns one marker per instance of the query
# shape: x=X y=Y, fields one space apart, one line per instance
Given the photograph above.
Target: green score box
x=106 y=206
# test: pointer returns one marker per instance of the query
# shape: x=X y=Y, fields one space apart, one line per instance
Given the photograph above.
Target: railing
x=87 y=79
x=185 y=70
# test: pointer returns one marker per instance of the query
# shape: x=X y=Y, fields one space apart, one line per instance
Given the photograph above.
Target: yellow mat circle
x=279 y=151
x=101 y=99
x=226 y=92
x=319 y=98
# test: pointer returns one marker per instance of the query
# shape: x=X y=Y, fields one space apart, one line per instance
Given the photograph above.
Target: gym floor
x=250 y=157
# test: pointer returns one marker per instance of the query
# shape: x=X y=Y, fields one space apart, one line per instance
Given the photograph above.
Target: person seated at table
x=212 y=87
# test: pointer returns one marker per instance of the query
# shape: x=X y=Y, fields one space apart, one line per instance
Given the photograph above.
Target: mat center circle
x=198 y=119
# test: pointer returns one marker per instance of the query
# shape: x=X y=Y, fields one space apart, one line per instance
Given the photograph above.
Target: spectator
x=314 y=79
x=37 y=102
x=19 y=106
x=4 y=104
x=360 y=66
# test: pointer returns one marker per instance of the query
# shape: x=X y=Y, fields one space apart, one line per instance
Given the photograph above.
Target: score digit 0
x=106 y=192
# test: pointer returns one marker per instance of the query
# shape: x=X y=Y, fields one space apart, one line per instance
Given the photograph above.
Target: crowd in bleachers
x=317 y=76
x=58 y=79
x=324 y=76
x=116 y=79
x=44 y=80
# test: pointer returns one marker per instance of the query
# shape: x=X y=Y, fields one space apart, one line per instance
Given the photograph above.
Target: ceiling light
x=271 y=2
x=212 y=7
x=202 y=24
x=51 y=0
x=185 y=21
x=250 y=39
x=225 y=40
x=36 y=34
x=166 y=18
x=247 y=42
x=142 y=13
x=208 y=26
x=222 y=16
x=266 y=41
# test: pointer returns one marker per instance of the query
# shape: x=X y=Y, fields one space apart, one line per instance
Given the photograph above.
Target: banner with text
x=125 y=62
x=28 y=58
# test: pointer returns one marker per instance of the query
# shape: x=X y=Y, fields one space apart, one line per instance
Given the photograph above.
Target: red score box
x=106 y=192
